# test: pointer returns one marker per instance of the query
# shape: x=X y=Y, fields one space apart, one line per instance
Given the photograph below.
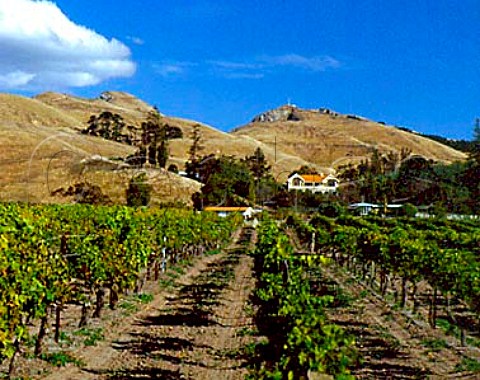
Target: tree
x=154 y=138
x=152 y=155
x=85 y=192
x=162 y=154
x=305 y=169
x=192 y=166
x=257 y=164
x=476 y=131
x=196 y=146
x=475 y=149
x=107 y=125
x=173 y=132
x=173 y=168
x=139 y=191
x=227 y=182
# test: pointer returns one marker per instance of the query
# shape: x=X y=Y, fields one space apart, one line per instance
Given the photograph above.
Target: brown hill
x=42 y=147
x=134 y=111
x=329 y=139
x=42 y=151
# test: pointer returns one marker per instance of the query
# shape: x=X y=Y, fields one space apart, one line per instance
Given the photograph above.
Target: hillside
x=42 y=147
x=329 y=139
x=134 y=111
x=42 y=151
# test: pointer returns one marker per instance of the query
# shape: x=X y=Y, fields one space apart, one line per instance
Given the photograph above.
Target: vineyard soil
x=391 y=344
x=195 y=327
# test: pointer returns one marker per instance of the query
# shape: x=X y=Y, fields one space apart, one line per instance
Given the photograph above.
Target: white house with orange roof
x=316 y=183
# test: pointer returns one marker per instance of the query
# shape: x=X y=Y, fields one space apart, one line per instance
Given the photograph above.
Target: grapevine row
x=51 y=256
x=293 y=318
x=446 y=255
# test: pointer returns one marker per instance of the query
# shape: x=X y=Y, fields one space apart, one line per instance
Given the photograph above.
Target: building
x=315 y=183
x=364 y=208
x=247 y=212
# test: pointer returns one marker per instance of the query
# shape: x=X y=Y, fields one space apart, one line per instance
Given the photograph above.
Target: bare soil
x=392 y=343
x=200 y=320
x=195 y=328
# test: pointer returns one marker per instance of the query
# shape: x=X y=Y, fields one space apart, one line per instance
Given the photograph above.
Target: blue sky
x=413 y=63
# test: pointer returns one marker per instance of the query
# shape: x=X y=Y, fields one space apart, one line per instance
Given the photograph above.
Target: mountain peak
x=287 y=112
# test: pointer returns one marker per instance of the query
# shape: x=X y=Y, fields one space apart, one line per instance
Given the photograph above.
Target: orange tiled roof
x=313 y=177
x=231 y=209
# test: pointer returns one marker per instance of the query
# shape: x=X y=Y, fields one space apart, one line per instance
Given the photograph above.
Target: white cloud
x=256 y=68
x=41 y=48
x=229 y=65
x=241 y=75
x=136 y=40
x=170 y=69
x=259 y=67
x=307 y=63
x=15 y=79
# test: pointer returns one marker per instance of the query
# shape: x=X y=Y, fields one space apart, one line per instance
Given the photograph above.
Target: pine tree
x=162 y=154
x=476 y=131
x=107 y=125
x=257 y=164
x=152 y=155
x=196 y=146
x=143 y=156
x=139 y=191
x=192 y=166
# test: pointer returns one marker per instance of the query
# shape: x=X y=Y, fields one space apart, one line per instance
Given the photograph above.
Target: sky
x=409 y=63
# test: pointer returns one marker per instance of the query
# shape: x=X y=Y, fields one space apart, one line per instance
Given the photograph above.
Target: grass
x=246 y=331
x=452 y=329
x=92 y=335
x=173 y=275
x=473 y=342
x=213 y=252
x=166 y=283
x=249 y=311
x=434 y=344
x=65 y=338
x=129 y=307
x=387 y=336
x=468 y=364
x=342 y=298
x=144 y=297
x=363 y=293
x=61 y=359
x=178 y=269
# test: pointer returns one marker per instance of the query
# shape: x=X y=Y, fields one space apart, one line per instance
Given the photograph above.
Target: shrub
x=409 y=210
x=139 y=191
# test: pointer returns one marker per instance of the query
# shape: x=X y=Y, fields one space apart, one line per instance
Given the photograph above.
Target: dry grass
x=41 y=146
x=325 y=139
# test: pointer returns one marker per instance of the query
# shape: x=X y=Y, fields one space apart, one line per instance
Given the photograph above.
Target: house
x=223 y=211
x=364 y=208
x=316 y=183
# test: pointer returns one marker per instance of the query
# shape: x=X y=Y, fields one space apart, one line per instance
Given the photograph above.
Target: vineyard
x=124 y=293
x=53 y=256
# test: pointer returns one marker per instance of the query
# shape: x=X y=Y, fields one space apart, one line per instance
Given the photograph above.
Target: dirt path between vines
x=391 y=345
x=194 y=330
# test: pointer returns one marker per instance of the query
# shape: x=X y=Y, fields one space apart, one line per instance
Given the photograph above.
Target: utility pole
x=275 y=145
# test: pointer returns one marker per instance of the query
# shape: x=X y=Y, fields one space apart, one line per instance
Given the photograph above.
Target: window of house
x=332 y=183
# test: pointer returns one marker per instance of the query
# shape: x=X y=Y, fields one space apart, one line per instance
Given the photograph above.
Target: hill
x=329 y=139
x=43 y=149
